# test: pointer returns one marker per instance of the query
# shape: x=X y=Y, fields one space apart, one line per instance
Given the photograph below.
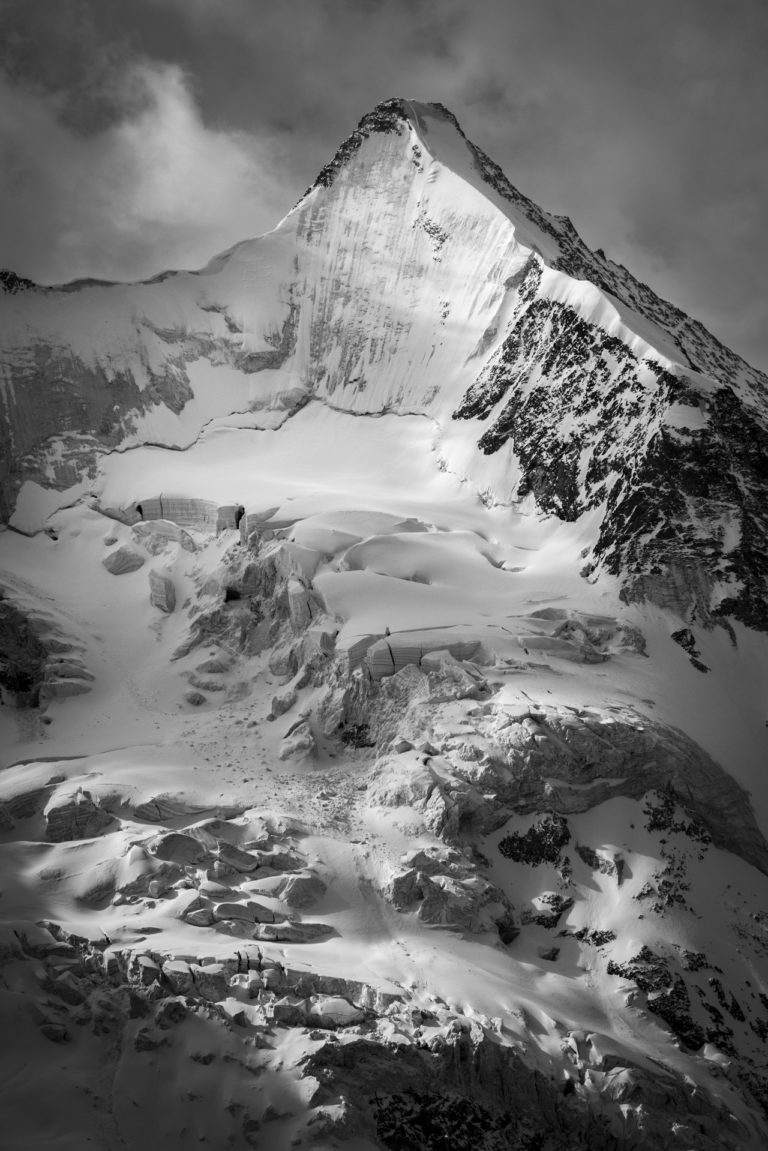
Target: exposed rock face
x=687 y=641
x=667 y=542
x=428 y=794
x=542 y=843
x=677 y=463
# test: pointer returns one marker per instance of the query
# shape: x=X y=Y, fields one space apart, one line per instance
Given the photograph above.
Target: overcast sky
x=143 y=134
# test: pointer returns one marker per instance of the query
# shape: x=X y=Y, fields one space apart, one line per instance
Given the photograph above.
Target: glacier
x=383 y=652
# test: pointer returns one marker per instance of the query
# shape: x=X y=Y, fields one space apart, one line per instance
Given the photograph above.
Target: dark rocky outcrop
x=387 y=116
x=667 y=489
x=541 y=843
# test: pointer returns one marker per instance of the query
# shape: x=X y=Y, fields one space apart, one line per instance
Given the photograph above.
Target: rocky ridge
x=374 y=831
x=675 y=462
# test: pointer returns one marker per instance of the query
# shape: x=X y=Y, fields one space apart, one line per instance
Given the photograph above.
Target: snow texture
x=383 y=650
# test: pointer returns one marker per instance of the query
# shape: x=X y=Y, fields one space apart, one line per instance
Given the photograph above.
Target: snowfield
x=384 y=720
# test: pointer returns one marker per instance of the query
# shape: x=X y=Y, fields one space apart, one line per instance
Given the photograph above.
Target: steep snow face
x=373 y=293
x=403 y=267
x=335 y=796
x=421 y=261
x=413 y=278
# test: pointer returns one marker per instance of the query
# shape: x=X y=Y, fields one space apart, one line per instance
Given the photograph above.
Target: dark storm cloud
x=153 y=133
x=109 y=167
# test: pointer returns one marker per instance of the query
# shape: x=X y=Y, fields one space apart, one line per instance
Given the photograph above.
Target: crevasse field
x=384 y=718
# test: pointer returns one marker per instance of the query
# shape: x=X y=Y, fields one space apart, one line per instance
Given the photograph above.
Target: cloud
x=146 y=187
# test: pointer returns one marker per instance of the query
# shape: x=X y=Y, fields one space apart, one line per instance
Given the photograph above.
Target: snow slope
x=383 y=658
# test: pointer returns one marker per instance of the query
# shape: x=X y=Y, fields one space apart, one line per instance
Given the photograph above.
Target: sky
x=137 y=136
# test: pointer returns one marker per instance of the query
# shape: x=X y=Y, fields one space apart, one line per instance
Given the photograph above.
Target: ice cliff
x=383 y=649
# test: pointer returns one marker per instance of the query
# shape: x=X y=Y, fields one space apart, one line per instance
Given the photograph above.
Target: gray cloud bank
x=151 y=134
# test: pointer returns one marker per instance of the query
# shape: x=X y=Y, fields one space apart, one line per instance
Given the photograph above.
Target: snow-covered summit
x=555 y=237
x=414 y=278
x=374 y=773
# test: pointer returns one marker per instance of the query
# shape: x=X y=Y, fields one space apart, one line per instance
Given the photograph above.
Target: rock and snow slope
x=387 y=604
x=414 y=278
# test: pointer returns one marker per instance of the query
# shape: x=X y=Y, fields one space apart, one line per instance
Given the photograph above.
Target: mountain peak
x=407 y=525
x=417 y=279
x=554 y=237
x=387 y=116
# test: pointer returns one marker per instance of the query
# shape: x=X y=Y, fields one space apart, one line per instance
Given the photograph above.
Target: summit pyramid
x=383 y=646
